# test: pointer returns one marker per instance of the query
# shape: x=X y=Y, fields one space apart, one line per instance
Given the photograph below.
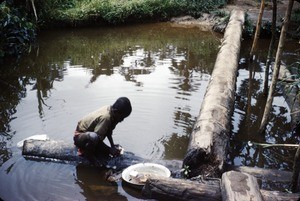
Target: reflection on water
x=162 y=69
x=249 y=108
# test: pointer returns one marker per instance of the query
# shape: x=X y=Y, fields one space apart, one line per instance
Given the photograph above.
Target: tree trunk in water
x=276 y=67
x=271 y=47
x=258 y=25
x=161 y=188
x=296 y=169
x=209 y=139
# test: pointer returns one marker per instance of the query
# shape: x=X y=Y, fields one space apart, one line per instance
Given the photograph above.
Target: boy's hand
x=114 y=151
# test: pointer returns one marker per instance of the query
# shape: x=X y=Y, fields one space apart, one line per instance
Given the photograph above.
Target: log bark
x=208 y=142
x=181 y=190
x=238 y=186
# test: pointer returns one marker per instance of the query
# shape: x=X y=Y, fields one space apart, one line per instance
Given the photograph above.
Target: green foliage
x=47 y=9
x=197 y=7
x=185 y=171
x=16 y=31
x=121 y=11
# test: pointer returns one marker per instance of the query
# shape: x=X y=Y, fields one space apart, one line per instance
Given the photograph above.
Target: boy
x=96 y=126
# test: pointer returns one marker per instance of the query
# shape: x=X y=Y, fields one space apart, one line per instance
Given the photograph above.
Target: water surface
x=163 y=70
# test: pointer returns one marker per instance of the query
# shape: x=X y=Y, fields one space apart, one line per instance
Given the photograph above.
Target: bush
x=17 y=32
x=122 y=11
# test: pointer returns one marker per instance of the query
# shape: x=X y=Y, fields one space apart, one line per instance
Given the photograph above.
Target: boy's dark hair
x=123 y=106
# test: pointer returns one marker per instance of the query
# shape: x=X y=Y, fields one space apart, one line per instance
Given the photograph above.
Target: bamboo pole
x=276 y=67
x=271 y=48
x=258 y=25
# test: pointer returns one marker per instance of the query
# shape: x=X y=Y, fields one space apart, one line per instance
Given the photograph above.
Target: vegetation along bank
x=20 y=21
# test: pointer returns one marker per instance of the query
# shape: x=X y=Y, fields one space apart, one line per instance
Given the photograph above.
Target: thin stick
x=258 y=27
x=266 y=145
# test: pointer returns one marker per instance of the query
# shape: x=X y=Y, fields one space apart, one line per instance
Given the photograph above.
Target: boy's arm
x=111 y=141
x=113 y=150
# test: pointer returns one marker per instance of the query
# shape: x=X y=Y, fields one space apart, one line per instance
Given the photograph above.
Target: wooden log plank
x=279 y=196
x=60 y=151
x=208 y=142
x=238 y=186
x=264 y=174
x=180 y=189
x=51 y=150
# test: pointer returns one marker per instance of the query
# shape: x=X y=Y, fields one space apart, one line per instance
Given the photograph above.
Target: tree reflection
x=12 y=87
x=128 y=51
x=249 y=107
x=14 y=78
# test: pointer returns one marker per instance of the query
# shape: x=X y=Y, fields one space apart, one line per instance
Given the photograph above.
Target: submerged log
x=279 y=196
x=179 y=189
x=264 y=174
x=208 y=142
x=238 y=186
x=269 y=178
x=60 y=151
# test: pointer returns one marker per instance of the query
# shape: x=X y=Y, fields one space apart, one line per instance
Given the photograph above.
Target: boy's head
x=122 y=108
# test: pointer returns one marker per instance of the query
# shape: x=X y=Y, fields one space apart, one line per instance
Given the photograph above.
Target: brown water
x=163 y=70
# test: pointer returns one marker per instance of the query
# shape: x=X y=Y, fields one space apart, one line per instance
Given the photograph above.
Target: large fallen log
x=180 y=189
x=208 y=142
x=51 y=150
x=62 y=152
x=235 y=186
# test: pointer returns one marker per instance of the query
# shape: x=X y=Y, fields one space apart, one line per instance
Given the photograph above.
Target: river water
x=163 y=70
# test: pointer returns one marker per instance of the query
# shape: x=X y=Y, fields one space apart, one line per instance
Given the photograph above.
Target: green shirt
x=99 y=121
